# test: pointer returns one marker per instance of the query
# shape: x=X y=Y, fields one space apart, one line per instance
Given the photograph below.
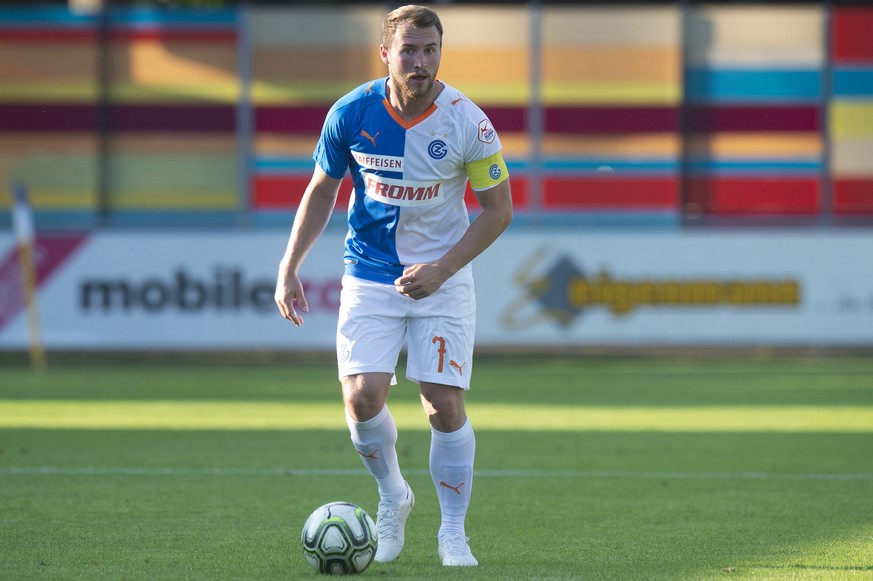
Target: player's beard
x=415 y=91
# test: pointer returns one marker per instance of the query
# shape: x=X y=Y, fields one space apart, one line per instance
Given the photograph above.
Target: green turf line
x=254 y=415
x=344 y=472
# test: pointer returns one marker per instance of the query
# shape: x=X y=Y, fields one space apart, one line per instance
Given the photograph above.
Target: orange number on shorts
x=441 y=351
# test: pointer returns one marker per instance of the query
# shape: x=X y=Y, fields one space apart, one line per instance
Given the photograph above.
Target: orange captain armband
x=487 y=173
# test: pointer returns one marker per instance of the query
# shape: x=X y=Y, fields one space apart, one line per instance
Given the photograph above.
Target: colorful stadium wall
x=643 y=115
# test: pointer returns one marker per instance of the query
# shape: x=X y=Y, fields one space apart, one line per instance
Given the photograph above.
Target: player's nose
x=419 y=61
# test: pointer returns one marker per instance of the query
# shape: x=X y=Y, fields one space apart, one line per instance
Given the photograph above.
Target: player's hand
x=420 y=280
x=288 y=291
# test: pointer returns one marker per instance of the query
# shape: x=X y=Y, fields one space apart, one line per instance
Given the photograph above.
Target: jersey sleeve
x=488 y=172
x=484 y=161
x=331 y=152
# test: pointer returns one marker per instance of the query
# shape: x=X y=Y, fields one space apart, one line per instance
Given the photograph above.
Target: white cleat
x=455 y=552
x=390 y=524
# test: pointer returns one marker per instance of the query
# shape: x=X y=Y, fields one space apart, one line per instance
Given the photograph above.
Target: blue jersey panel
x=359 y=135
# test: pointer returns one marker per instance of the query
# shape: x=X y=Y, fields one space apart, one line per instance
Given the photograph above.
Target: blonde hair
x=417 y=16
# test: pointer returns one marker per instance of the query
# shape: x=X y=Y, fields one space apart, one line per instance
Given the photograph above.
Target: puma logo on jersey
x=458 y=100
x=456 y=365
x=372 y=138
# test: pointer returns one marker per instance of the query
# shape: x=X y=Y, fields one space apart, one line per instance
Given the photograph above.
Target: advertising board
x=162 y=290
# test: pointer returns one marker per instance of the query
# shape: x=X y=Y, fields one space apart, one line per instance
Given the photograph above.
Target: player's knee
x=364 y=397
x=444 y=406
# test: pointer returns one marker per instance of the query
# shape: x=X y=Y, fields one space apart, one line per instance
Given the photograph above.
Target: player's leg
x=373 y=431
x=370 y=334
x=452 y=453
x=441 y=361
x=375 y=440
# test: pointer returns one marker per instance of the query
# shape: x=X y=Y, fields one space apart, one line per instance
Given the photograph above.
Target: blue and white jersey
x=409 y=178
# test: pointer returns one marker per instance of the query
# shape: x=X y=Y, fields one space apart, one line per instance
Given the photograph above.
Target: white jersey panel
x=438 y=149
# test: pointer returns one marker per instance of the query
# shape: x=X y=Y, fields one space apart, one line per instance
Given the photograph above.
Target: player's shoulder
x=472 y=121
x=360 y=97
x=458 y=105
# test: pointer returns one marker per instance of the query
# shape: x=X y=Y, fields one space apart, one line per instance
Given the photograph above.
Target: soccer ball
x=339 y=538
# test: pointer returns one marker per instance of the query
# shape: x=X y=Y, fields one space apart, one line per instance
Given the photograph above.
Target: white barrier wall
x=159 y=290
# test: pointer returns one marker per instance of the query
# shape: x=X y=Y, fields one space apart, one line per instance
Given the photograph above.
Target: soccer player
x=411 y=143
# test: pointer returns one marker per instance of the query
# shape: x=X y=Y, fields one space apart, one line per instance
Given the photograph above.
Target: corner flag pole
x=22 y=219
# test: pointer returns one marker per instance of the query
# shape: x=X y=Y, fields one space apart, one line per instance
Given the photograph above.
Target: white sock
x=451 y=468
x=374 y=440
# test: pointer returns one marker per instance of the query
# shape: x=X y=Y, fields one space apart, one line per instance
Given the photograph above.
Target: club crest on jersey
x=437 y=149
x=486 y=132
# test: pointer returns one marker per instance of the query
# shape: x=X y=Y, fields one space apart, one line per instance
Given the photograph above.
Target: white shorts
x=375 y=320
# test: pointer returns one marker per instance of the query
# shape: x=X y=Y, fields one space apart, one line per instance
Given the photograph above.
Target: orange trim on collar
x=408 y=124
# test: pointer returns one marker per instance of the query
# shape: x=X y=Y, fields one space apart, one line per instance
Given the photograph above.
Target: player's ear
x=383 y=53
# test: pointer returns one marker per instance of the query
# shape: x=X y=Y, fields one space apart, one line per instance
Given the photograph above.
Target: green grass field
x=586 y=469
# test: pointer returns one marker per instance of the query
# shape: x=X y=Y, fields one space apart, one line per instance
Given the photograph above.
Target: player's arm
x=421 y=280
x=495 y=217
x=312 y=217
